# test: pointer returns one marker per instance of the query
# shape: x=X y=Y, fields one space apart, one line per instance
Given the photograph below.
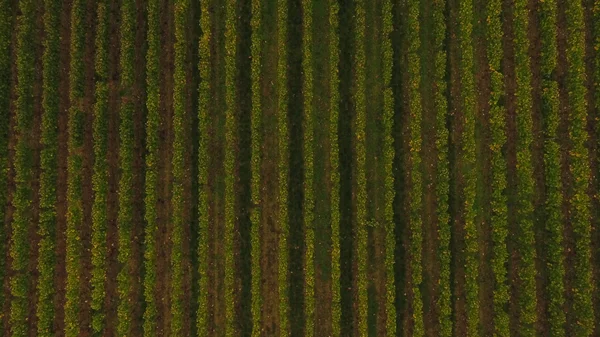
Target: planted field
x=299 y=168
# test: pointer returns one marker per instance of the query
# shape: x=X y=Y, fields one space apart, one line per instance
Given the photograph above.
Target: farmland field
x=300 y=168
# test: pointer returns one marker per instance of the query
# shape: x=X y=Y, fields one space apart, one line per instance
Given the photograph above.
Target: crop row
x=74 y=169
x=525 y=193
x=309 y=199
x=416 y=182
x=466 y=73
x=361 y=180
x=442 y=181
x=583 y=310
x=230 y=140
x=283 y=166
x=179 y=153
x=204 y=67
x=553 y=198
x=499 y=207
x=153 y=121
x=126 y=141
x=256 y=121
x=19 y=249
x=334 y=153
x=6 y=21
x=49 y=168
x=388 y=159
x=99 y=179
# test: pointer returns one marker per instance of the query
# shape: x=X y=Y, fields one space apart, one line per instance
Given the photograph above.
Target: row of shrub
x=204 y=66
x=415 y=194
x=547 y=12
x=49 y=168
x=178 y=163
x=100 y=177
x=360 y=146
x=467 y=80
x=388 y=161
x=125 y=278
x=334 y=152
x=579 y=166
x=230 y=157
x=442 y=179
x=498 y=198
x=524 y=170
x=308 y=152
x=74 y=170
x=256 y=52
x=153 y=121
x=23 y=168
x=6 y=28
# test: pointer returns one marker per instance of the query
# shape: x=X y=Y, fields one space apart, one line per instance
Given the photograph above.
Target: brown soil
x=164 y=165
x=566 y=177
x=35 y=146
x=61 y=205
x=112 y=295
x=513 y=228
x=456 y=178
x=538 y=170
x=593 y=115
x=269 y=201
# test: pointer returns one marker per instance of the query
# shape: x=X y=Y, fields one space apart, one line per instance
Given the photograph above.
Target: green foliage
x=256 y=49
x=415 y=194
x=497 y=119
x=230 y=140
x=125 y=277
x=361 y=180
x=466 y=73
x=308 y=152
x=23 y=167
x=580 y=216
x=178 y=164
x=442 y=180
x=334 y=154
x=6 y=26
x=204 y=67
x=74 y=169
x=525 y=193
x=388 y=120
x=153 y=121
x=100 y=177
x=552 y=217
x=49 y=168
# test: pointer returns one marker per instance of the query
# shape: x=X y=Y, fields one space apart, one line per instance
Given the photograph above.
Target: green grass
x=499 y=207
x=153 y=120
x=579 y=168
x=256 y=120
x=553 y=197
x=525 y=183
x=23 y=167
x=442 y=180
x=125 y=278
x=204 y=67
x=49 y=167
x=230 y=156
x=308 y=152
x=6 y=26
x=336 y=312
x=74 y=170
x=360 y=232
x=100 y=176
x=466 y=73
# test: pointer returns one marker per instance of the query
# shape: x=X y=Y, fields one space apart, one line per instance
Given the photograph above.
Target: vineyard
x=300 y=168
